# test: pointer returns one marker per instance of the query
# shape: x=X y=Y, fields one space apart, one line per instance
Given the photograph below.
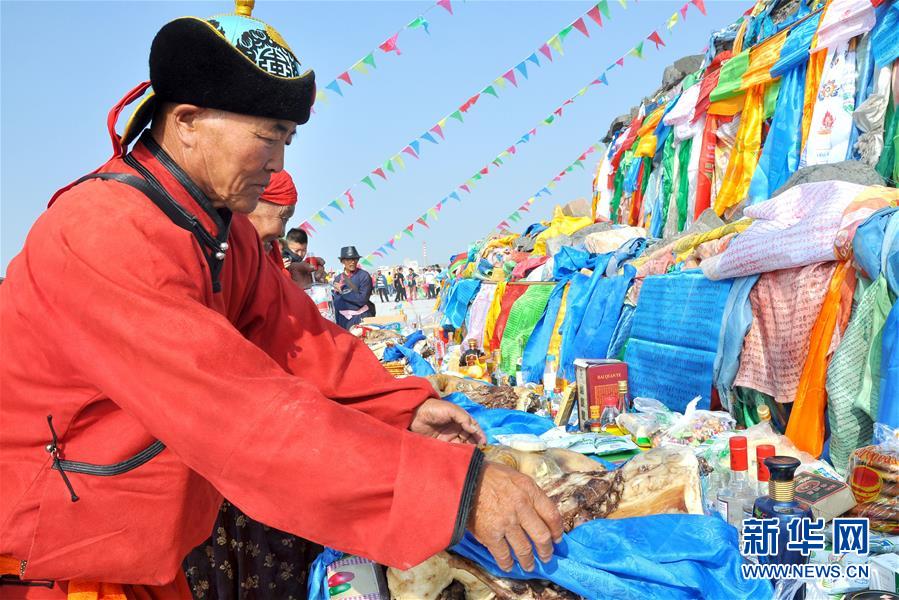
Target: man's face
x=270 y=220
x=297 y=248
x=349 y=264
x=236 y=156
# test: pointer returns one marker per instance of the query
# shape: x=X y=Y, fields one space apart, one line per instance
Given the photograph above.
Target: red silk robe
x=111 y=326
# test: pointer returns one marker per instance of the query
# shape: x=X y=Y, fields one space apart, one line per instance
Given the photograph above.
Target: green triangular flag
x=498 y=161
x=418 y=22
x=457 y=115
x=370 y=60
x=389 y=166
x=548 y=120
x=489 y=90
x=579 y=163
x=409 y=233
x=367 y=181
x=637 y=50
x=569 y=169
x=603 y=6
x=477 y=176
x=556 y=43
x=564 y=33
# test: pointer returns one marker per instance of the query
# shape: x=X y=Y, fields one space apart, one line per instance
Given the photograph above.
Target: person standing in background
x=381 y=286
x=352 y=289
x=399 y=284
x=412 y=284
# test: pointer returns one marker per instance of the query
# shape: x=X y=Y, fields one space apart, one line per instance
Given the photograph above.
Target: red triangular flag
x=422 y=221
x=510 y=77
x=410 y=227
x=346 y=77
x=683 y=11
x=700 y=4
x=439 y=205
x=567 y=102
x=581 y=26
x=524 y=208
x=469 y=103
x=593 y=13
x=380 y=173
x=408 y=150
x=446 y=4
x=547 y=52
x=465 y=187
x=484 y=171
x=438 y=130
x=511 y=149
x=558 y=112
x=620 y=62
x=656 y=39
x=503 y=224
x=390 y=45
x=307 y=227
x=350 y=199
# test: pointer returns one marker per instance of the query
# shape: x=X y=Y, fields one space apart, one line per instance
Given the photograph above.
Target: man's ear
x=187 y=118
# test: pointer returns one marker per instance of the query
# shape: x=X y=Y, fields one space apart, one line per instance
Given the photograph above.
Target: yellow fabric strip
x=493 y=314
x=761 y=59
x=684 y=246
x=745 y=155
x=555 y=340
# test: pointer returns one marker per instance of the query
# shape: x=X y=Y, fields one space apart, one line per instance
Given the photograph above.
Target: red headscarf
x=280 y=190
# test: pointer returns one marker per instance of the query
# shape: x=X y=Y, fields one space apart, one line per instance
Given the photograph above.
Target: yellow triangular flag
x=321 y=96
x=399 y=160
x=442 y=122
x=673 y=20
x=500 y=82
x=360 y=67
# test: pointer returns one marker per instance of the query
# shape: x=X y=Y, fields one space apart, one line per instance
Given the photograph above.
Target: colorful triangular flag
x=455 y=196
x=581 y=26
x=410 y=151
x=683 y=11
x=389 y=45
x=422 y=222
x=457 y=115
x=556 y=44
x=307 y=227
x=490 y=90
x=544 y=49
x=438 y=129
x=564 y=33
x=334 y=86
x=419 y=22
x=399 y=160
x=360 y=67
x=522 y=68
x=637 y=50
x=415 y=146
x=380 y=173
x=367 y=181
x=533 y=58
x=510 y=77
x=336 y=204
x=350 y=199
x=603 y=6
x=370 y=61
x=672 y=21
x=324 y=216
x=446 y=4
x=388 y=166
x=623 y=3
x=346 y=77
x=593 y=13
x=428 y=137
x=700 y=4
x=656 y=39
x=465 y=187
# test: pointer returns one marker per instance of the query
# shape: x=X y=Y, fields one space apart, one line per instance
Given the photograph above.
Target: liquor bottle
x=490 y=366
x=738 y=490
x=624 y=400
x=499 y=376
x=762 y=474
x=764 y=414
x=549 y=373
x=780 y=503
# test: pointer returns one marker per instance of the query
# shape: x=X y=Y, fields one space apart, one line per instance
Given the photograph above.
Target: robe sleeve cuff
x=472 y=478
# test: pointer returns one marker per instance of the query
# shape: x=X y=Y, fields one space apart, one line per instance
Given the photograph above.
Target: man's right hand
x=510 y=511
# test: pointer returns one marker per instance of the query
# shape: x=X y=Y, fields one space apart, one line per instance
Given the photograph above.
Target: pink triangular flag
x=683 y=11
x=581 y=26
x=390 y=45
x=438 y=130
x=620 y=62
x=350 y=199
x=465 y=187
x=439 y=205
x=422 y=222
x=700 y=4
x=544 y=49
x=656 y=39
x=410 y=227
x=533 y=131
x=511 y=149
x=379 y=172
x=484 y=171
x=567 y=102
x=510 y=77
x=408 y=150
x=446 y=4
x=593 y=13
x=524 y=208
x=558 y=112
x=346 y=77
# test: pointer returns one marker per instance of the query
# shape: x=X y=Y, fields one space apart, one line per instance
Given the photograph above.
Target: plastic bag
x=695 y=426
x=651 y=416
x=874 y=479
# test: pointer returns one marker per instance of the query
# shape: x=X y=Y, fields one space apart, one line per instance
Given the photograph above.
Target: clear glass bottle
x=738 y=490
x=499 y=376
x=549 y=373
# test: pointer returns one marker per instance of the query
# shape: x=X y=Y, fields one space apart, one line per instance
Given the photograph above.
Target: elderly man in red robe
x=135 y=399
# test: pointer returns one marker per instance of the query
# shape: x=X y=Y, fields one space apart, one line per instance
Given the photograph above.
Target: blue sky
x=55 y=97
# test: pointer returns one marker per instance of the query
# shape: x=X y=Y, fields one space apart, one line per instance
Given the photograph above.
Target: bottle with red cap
x=762 y=451
x=739 y=490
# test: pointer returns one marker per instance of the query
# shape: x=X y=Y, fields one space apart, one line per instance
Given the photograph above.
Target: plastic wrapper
x=651 y=417
x=694 y=427
x=874 y=479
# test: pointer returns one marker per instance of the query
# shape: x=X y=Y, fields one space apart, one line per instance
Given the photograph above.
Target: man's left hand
x=447 y=422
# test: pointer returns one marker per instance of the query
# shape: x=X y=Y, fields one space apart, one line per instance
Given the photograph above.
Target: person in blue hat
x=352 y=290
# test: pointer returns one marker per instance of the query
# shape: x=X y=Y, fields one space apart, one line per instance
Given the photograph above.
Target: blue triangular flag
x=533 y=58
x=547 y=191
x=525 y=138
x=324 y=216
x=336 y=204
x=335 y=87
x=523 y=69
x=603 y=79
x=415 y=146
x=429 y=137
x=456 y=196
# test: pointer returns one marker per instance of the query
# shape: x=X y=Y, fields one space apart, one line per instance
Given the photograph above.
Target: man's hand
x=447 y=422
x=510 y=511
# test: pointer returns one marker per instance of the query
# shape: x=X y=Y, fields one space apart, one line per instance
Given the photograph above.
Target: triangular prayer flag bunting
x=593 y=13
x=391 y=243
x=533 y=58
x=510 y=77
x=325 y=216
x=408 y=231
x=603 y=6
x=336 y=204
x=524 y=207
x=416 y=145
x=502 y=225
x=524 y=139
x=484 y=171
x=432 y=213
x=398 y=237
x=370 y=61
x=408 y=150
x=429 y=137
x=672 y=21
x=514 y=217
x=546 y=189
x=388 y=166
x=419 y=22
x=564 y=33
x=637 y=50
x=558 y=111
x=623 y=3
x=683 y=11
x=579 y=163
x=346 y=77
x=544 y=49
x=552 y=185
x=604 y=79
x=422 y=222
x=380 y=173
x=399 y=160
x=620 y=62
x=360 y=67
x=700 y=4
x=367 y=181
x=656 y=39
x=469 y=103
x=389 y=45
x=334 y=86
x=490 y=90
x=457 y=115
x=533 y=131
x=350 y=199
x=455 y=195
x=549 y=120
x=307 y=227
x=583 y=90
x=556 y=44
x=321 y=96
x=438 y=129
x=500 y=83
x=522 y=68
x=496 y=162
x=581 y=26
x=511 y=149
x=465 y=187
x=475 y=177
x=446 y=4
